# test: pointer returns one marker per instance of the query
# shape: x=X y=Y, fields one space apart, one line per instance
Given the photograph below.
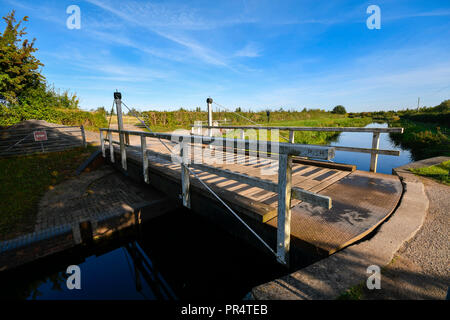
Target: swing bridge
x=281 y=196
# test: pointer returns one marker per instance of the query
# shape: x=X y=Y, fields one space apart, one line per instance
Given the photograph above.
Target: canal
x=189 y=259
x=364 y=140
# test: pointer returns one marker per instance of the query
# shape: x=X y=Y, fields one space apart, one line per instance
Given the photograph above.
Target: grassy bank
x=439 y=172
x=317 y=137
x=25 y=179
x=183 y=119
x=424 y=140
x=314 y=137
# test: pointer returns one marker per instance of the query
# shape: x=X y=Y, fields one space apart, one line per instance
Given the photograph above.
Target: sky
x=163 y=55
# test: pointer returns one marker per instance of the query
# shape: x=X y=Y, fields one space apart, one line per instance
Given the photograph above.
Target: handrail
x=332 y=129
x=284 y=188
x=302 y=150
x=374 y=151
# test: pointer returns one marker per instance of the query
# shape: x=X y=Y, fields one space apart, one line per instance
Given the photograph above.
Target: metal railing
x=374 y=151
x=24 y=141
x=282 y=152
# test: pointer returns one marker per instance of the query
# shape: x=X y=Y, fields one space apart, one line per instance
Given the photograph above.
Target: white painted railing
x=374 y=151
x=266 y=149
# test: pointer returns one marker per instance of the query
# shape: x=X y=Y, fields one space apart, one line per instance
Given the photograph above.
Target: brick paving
x=89 y=196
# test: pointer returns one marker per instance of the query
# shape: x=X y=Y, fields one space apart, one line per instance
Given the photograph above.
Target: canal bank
x=330 y=278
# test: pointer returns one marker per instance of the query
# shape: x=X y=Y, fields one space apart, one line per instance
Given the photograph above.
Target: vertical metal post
x=123 y=151
x=144 y=157
x=291 y=136
x=242 y=134
x=185 y=177
x=209 y=102
x=102 y=143
x=374 y=156
x=83 y=135
x=111 y=147
x=284 y=207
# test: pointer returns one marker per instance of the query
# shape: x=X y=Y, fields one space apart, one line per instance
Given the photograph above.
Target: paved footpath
x=420 y=269
x=89 y=195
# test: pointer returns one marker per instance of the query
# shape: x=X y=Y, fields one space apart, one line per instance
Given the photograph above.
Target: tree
x=19 y=68
x=339 y=110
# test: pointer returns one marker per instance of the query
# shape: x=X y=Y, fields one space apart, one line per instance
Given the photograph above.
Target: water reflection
x=364 y=140
x=165 y=261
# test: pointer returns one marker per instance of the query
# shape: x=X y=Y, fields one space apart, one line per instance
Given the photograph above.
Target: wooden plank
x=284 y=208
x=253 y=181
x=291 y=136
x=185 y=185
x=144 y=158
x=331 y=165
x=102 y=143
x=324 y=184
x=374 y=156
x=111 y=146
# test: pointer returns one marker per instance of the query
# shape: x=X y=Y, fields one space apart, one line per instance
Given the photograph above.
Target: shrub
x=339 y=110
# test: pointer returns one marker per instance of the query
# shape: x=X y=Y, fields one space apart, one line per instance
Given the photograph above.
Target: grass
x=314 y=137
x=439 y=172
x=25 y=179
x=354 y=293
x=424 y=140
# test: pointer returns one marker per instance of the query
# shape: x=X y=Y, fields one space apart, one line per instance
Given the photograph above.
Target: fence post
x=209 y=102
x=284 y=207
x=111 y=147
x=374 y=156
x=144 y=157
x=185 y=178
x=102 y=143
x=123 y=150
x=291 y=136
x=83 y=135
x=242 y=134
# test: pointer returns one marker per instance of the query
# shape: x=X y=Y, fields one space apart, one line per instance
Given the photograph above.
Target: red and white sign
x=40 y=135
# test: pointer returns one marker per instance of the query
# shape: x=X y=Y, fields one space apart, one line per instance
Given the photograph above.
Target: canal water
x=364 y=140
x=190 y=259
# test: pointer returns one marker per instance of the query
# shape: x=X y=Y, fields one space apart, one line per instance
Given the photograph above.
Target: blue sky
x=252 y=54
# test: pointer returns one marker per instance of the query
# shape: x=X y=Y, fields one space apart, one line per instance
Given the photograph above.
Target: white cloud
x=250 y=51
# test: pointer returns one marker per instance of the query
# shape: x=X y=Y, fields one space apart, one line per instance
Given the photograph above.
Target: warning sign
x=40 y=136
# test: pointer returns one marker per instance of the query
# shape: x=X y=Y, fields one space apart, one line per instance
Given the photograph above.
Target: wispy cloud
x=166 y=22
x=250 y=50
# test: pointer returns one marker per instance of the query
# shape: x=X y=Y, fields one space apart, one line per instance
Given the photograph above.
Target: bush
x=339 y=110
x=69 y=117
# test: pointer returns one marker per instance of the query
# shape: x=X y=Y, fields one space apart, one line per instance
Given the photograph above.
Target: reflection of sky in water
x=102 y=277
x=364 y=140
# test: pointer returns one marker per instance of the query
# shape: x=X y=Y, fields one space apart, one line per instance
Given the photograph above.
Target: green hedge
x=73 y=117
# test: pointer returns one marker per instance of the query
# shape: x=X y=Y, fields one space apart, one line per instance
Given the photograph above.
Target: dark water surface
x=177 y=256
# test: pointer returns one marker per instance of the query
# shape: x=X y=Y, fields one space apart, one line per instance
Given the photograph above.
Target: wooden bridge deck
x=361 y=200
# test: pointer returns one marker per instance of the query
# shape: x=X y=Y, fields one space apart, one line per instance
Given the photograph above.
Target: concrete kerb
x=329 y=278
